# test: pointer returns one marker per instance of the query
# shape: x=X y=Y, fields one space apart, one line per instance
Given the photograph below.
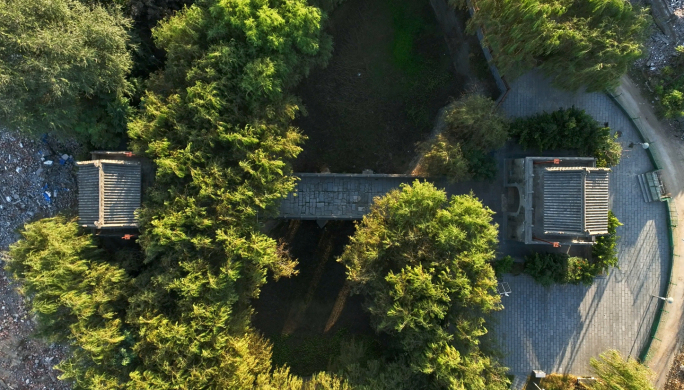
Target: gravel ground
x=675 y=380
x=36 y=180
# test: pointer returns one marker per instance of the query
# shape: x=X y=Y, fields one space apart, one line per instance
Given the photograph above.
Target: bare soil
x=390 y=73
x=295 y=313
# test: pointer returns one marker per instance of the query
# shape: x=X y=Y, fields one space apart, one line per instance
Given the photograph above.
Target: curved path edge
x=669 y=156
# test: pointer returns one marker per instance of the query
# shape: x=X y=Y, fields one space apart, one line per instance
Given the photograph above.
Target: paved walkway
x=337 y=196
x=343 y=196
x=669 y=152
x=558 y=329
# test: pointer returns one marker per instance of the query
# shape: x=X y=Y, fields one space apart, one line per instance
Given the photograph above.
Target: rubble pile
x=37 y=180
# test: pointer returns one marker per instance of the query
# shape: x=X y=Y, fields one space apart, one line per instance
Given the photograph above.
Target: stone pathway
x=337 y=196
x=558 y=329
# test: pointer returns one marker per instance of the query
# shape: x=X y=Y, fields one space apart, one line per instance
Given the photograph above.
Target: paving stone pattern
x=558 y=329
x=337 y=196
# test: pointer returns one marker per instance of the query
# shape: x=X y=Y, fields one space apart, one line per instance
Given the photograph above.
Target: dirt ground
x=296 y=313
x=675 y=379
x=36 y=180
x=25 y=363
x=389 y=75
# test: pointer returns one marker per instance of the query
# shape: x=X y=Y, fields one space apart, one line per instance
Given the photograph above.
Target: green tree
x=217 y=123
x=423 y=263
x=63 y=67
x=77 y=297
x=577 y=43
x=473 y=128
x=614 y=372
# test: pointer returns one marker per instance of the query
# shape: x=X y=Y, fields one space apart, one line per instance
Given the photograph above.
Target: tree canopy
x=63 y=67
x=217 y=123
x=614 y=372
x=422 y=261
x=577 y=43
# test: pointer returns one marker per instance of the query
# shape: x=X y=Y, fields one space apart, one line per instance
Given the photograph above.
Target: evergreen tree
x=578 y=43
x=77 y=297
x=568 y=129
x=423 y=263
x=63 y=67
x=614 y=372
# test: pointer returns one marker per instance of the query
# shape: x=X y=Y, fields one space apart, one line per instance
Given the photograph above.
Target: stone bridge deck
x=337 y=196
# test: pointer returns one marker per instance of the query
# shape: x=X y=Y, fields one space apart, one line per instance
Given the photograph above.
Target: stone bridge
x=337 y=196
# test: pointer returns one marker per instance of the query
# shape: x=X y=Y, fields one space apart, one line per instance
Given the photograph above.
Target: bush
x=559 y=268
x=502 y=266
x=481 y=165
x=569 y=129
x=461 y=152
x=669 y=86
x=604 y=252
x=546 y=268
x=442 y=158
x=580 y=271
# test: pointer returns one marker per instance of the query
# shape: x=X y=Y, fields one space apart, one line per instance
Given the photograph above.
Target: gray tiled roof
x=109 y=193
x=575 y=200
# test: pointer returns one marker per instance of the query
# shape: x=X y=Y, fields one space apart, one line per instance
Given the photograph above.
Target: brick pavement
x=558 y=329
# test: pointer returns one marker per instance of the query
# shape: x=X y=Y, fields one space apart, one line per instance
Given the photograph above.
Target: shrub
x=604 y=252
x=569 y=129
x=547 y=268
x=442 y=158
x=503 y=265
x=550 y=268
x=580 y=271
x=669 y=86
x=481 y=165
x=473 y=129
